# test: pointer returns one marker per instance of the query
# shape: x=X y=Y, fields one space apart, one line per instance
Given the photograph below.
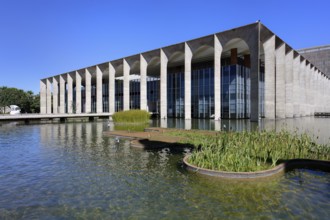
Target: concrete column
x=112 y=100
x=70 y=92
x=88 y=91
x=254 y=90
x=143 y=83
x=301 y=87
x=187 y=81
x=49 y=96
x=163 y=84
x=269 y=50
x=319 y=91
x=280 y=81
x=55 y=95
x=296 y=95
x=43 y=97
x=217 y=78
x=78 y=92
x=99 y=103
x=288 y=84
x=307 y=73
x=126 y=70
x=62 y=95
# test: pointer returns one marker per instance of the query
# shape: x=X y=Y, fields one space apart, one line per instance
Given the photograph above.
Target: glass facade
x=119 y=95
x=202 y=91
x=153 y=94
x=235 y=91
x=175 y=93
x=134 y=94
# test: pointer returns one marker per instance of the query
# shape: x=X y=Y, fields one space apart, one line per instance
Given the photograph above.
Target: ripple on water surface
x=72 y=171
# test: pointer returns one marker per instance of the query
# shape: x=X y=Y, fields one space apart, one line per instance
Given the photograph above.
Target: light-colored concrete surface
x=217 y=78
x=143 y=83
x=280 y=81
x=69 y=93
x=269 y=50
x=163 y=84
x=288 y=84
x=99 y=103
x=43 y=95
x=62 y=95
x=78 y=93
x=88 y=91
x=112 y=103
x=55 y=95
x=126 y=71
x=187 y=81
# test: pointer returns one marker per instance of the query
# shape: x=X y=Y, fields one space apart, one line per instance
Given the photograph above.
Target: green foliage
x=27 y=101
x=252 y=151
x=131 y=116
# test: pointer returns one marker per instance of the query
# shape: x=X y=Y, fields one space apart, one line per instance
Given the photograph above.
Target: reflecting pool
x=70 y=170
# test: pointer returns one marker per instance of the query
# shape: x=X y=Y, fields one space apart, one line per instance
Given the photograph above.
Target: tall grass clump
x=252 y=151
x=131 y=116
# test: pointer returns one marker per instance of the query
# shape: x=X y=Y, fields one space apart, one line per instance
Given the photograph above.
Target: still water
x=70 y=170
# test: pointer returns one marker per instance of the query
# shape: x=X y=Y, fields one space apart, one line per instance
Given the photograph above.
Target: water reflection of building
x=246 y=72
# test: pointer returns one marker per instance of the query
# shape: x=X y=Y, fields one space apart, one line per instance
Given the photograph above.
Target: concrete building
x=319 y=56
x=245 y=72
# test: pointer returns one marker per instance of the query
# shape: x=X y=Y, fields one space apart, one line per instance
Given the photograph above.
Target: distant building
x=319 y=56
x=245 y=72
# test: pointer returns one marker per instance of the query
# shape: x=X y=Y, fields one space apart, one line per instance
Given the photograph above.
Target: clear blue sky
x=40 y=38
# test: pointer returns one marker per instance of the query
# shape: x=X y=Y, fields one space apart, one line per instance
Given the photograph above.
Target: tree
x=27 y=101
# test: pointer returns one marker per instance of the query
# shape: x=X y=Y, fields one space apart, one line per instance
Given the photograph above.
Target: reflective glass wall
x=134 y=94
x=235 y=91
x=202 y=91
x=119 y=95
x=153 y=85
x=175 y=93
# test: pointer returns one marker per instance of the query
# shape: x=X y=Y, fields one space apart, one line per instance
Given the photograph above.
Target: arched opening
x=235 y=79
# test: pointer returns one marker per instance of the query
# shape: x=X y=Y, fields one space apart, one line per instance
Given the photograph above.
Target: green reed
x=251 y=151
x=131 y=116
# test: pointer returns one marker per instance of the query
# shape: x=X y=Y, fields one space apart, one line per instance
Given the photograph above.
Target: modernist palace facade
x=245 y=72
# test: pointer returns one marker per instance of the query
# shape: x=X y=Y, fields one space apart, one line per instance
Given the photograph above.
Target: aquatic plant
x=131 y=116
x=251 y=151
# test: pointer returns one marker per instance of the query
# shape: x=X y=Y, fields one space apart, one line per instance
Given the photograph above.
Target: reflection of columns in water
x=217 y=125
x=187 y=124
x=98 y=135
x=88 y=133
x=163 y=123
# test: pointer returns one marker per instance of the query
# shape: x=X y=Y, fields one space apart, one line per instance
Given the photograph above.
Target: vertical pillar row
x=143 y=83
x=78 y=92
x=163 y=84
x=112 y=99
x=55 y=95
x=126 y=70
x=62 y=95
x=269 y=50
x=88 y=91
x=99 y=76
x=217 y=78
x=254 y=76
x=280 y=81
x=295 y=91
x=49 y=96
x=187 y=81
x=43 y=94
x=70 y=92
x=289 y=84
